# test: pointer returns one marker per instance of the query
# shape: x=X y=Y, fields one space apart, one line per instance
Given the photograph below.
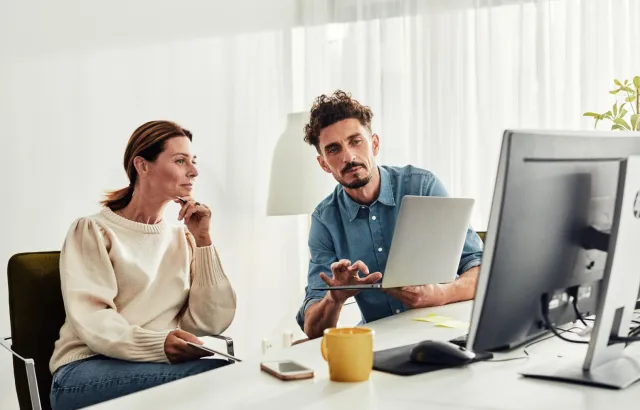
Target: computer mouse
x=440 y=352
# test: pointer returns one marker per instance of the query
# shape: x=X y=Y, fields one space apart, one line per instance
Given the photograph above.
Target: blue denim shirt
x=343 y=229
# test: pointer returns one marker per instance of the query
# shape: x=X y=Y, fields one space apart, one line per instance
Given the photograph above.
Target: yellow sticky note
x=433 y=318
x=453 y=324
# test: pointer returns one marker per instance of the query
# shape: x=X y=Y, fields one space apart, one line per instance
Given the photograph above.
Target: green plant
x=617 y=115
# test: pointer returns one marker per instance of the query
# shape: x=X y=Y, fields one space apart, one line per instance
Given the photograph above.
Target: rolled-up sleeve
x=323 y=254
x=472 y=250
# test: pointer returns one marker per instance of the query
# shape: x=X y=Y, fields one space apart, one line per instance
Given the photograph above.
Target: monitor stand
x=609 y=365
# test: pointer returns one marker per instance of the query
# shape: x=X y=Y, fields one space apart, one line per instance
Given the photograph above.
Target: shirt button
x=397 y=310
x=363 y=207
x=379 y=249
x=373 y=217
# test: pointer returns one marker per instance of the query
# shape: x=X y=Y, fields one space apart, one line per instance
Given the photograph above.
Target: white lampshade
x=297 y=184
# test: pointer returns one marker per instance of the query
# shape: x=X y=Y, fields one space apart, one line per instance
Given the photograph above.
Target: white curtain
x=446 y=78
x=66 y=119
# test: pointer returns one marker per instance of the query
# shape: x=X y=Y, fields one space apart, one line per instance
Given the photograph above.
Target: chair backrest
x=36 y=312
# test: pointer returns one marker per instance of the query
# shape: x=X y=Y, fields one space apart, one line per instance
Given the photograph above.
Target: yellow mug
x=349 y=352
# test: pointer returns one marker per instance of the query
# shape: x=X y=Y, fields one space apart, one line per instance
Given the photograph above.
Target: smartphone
x=286 y=370
x=213 y=352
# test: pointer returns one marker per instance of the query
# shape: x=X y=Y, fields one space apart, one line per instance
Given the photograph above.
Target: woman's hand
x=177 y=349
x=197 y=217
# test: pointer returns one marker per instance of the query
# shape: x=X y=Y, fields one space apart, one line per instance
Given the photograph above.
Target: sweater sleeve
x=212 y=301
x=88 y=288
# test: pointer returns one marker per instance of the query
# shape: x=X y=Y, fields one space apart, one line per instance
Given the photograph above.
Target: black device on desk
x=538 y=270
x=460 y=340
x=440 y=353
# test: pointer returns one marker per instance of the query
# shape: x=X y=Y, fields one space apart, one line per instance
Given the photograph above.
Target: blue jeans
x=96 y=379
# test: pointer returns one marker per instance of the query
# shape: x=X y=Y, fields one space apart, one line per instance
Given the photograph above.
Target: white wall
x=37 y=26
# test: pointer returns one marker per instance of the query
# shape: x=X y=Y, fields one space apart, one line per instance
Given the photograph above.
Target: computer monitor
x=550 y=188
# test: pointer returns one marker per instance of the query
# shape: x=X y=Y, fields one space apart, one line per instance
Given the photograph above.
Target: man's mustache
x=352 y=165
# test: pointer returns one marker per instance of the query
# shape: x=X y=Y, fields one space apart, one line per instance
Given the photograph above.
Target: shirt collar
x=386 y=190
x=385 y=196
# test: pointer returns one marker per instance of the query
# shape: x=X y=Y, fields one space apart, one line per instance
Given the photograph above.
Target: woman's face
x=173 y=173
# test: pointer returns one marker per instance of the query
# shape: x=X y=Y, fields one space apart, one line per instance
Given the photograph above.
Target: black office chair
x=36 y=312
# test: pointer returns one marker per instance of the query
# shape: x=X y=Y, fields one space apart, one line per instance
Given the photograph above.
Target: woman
x=136 y=288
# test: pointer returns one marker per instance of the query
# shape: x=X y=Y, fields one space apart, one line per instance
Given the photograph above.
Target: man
x=351 y=230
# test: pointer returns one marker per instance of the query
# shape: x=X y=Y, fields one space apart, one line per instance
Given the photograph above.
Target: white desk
x=483 y=385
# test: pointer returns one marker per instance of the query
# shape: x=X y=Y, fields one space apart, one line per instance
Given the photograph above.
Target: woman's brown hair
x=147 y=142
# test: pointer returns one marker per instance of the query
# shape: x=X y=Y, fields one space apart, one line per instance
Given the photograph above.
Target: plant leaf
x=627 y=89
x=614 y=92
x=630 y=99
x=636 y=81
x=617 y=82
x=616 y=127
x=591 y=114
x=623 y=123
x=621 y=111
x=615 y=109
x=607 y=115
x=626 y=82
x=635 y=122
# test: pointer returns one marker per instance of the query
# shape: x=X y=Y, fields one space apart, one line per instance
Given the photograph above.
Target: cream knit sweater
x=126 y=285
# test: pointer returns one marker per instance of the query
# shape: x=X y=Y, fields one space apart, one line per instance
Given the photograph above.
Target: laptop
x=427 y=243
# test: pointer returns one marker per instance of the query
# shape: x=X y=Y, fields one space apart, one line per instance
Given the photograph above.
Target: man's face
x=347 y=151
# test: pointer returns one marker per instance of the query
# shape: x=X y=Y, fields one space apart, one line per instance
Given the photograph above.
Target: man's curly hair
x=327 y=111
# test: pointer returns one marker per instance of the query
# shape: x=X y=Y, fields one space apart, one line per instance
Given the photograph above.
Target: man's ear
x=375 y=144
x=141 y=165
x=323 y=164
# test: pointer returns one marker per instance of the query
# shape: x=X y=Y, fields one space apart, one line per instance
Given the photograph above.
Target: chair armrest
x=31 y=374
x=229 y=342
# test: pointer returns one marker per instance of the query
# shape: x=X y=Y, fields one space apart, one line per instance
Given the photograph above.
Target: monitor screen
x=549 y=189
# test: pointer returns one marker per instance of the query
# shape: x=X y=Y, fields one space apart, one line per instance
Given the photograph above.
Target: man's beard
x=359 y=182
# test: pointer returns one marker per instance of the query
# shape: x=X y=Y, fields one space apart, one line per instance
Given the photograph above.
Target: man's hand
x=324 y=314
x=415 y=297
x=345 y=273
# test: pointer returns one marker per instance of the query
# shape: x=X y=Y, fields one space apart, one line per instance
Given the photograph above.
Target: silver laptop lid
x=428 y=240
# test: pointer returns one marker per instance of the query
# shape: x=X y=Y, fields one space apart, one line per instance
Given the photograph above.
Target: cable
x=624 y=339
x=508 y=359
x=575 y=308
x=547 y=322
x=570 y=330
x=526 y=356
x=612 y=339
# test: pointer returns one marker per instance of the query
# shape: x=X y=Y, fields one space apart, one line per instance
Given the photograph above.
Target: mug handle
x=324 y=349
